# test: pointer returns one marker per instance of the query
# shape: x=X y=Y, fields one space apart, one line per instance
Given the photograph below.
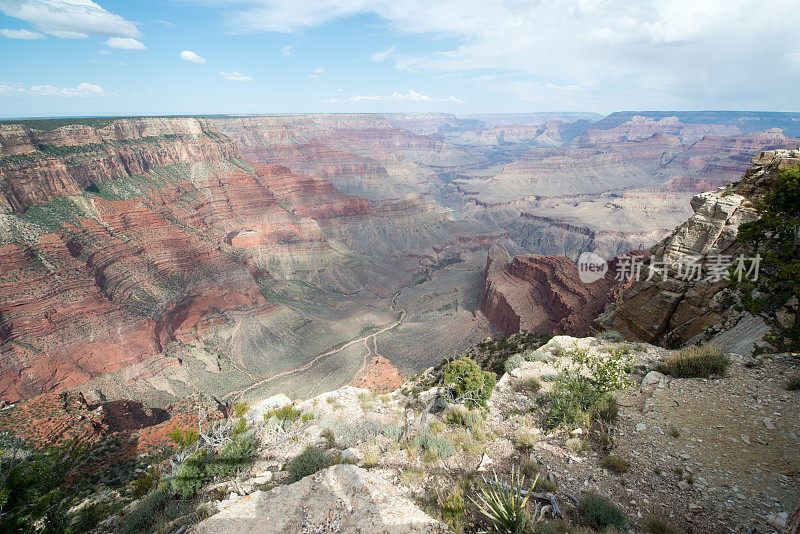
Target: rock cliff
x=39 y=166
x=671 y=307
x=542 y=294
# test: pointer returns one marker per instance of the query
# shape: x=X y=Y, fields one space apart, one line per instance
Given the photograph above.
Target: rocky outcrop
x=671 y=307
x=542 y=294
x=342 y=498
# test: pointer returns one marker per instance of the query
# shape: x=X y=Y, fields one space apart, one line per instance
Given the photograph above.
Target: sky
x=147 y=57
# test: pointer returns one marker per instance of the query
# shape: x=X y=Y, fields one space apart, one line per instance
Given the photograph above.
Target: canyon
x=152 y=258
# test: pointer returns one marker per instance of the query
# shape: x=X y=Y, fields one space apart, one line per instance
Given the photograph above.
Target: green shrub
x=513 y=362
x=286 y=413
x=659 y=525
x=468 y=382
x=466 y=418
x=307 y=463
x=142 y=485
x=599 y=513
x=616 y=464
x=184 y=438
x=793 y=383
x=506 y=506
x=189 y=476
x=240 y=409
x=611 y=335
x=585 y=380
x=606 y=409
x=144 y=513
x=240 y=427
x=695 y=362
x=773 y=236
x=234 y=457
x=393 y=432
x=438 y=445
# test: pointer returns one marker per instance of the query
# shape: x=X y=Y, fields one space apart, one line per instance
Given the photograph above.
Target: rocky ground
x=700 y=455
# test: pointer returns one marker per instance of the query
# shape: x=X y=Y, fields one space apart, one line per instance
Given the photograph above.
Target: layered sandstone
x=670 y=308
x=38 y=166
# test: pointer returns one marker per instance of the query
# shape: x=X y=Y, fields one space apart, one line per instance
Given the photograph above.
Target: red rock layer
x=31 y=176
x=379 y=376
x=542 y=294
x=117 y=280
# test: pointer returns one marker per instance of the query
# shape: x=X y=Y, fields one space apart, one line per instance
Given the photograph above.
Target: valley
x=153 y=258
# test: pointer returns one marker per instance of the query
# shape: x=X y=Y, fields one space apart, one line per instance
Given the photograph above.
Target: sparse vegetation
x=606 y=409
x=659 y=525
x=533 y=384
x=307 y=463
x=611 y=335
x=674 y=432
x=285 y=413
x=450 y=505
x=695 y=362
x=598 y=513
x=436 y=446
x=466 y=418
x=616 y=464
x=526 y=438
x=513 y=362
x=793 y=383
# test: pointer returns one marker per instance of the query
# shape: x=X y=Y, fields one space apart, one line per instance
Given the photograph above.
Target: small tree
x=466 y=381
x=775 y=236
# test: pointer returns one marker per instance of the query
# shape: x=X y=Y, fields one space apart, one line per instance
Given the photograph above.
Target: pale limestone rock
x=342 y=498
x=352 y=455
x=256 y=412
x=486 y=462
x=652 y=381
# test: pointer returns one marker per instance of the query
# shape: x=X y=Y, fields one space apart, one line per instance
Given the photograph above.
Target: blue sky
x=79 y=57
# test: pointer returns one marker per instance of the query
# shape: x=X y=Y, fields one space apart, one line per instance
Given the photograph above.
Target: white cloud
x=121 y=64
x=188 y=55
x=71 y=19
x=236 y=76
x=383 y=54
x=22 y=34
x=104 y=52
x=82 y=90
x=11 y=87
x=287 y=50
x=125 y=43
x=672 y=52
x=411 y=96
x=319 y=71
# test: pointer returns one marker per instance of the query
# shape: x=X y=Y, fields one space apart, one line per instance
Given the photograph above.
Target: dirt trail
x=365 y=339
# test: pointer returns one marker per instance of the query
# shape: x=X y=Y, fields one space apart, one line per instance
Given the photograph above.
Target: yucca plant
x=506 y=505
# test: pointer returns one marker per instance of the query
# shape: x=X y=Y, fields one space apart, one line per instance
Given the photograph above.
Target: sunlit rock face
x=676 y=308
